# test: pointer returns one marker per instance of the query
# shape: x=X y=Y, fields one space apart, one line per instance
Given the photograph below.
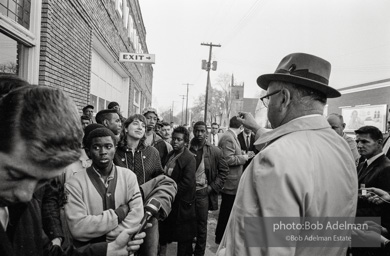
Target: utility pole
x=187 y=102
x=208 y=76
x=173 y=102
x=182 y=109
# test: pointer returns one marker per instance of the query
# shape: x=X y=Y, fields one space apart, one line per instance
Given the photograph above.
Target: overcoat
x=305 y=170
x=180 y=225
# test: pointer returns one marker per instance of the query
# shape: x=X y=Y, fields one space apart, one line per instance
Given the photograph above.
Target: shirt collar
x=4 y=217
x=302 y=117
x=110 y=176
x=372 y=159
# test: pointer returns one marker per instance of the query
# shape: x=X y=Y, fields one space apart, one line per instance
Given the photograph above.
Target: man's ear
x=286 y=98
x=343 y=126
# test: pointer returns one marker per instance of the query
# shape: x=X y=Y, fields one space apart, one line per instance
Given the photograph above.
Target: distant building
x=368 y=103
x=249 y=105
x=237 y=97
x=74 y=45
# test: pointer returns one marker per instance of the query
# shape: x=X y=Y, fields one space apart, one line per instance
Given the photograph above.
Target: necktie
x=363 y=169
x=247 y=142
x=214 y=139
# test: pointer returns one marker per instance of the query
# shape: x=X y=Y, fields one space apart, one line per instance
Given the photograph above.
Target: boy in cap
x=152 y=138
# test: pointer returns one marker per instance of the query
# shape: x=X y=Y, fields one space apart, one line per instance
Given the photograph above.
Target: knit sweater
x=85 y=212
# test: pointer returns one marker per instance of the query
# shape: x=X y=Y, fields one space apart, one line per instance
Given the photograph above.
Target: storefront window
x=9 y=55
x=17 y=10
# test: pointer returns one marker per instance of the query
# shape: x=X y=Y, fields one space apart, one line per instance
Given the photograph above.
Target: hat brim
x=264 y=80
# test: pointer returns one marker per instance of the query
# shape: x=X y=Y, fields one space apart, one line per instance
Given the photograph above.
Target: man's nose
x=25 y=191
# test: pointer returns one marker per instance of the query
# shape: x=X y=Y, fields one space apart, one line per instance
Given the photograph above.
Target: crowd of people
x=83 y=185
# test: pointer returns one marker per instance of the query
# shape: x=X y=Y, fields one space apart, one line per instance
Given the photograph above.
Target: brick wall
x=65 y=58
x=66 y=44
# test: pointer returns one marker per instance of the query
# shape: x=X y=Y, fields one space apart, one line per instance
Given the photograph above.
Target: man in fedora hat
x=304 y=170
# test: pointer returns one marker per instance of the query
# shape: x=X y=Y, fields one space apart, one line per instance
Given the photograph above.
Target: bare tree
x=224 y=82
x=166 y=115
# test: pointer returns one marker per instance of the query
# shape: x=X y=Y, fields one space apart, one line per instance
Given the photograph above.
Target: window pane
x=3 y=10
x=9 y=57
x=93 y=102
x=101 y=104
x=17 y=10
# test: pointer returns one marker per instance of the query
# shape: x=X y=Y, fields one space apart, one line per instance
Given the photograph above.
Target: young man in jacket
x=211 y=172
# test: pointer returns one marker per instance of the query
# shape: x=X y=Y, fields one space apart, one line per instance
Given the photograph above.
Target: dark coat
x=216 y=172
x=24 y=234
x=24 y=230
x=180 y=225
x=376 y=175
x=242 y=139
x=385 y=139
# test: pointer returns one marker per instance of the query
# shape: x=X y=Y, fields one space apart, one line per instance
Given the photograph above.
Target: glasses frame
x=265 y=99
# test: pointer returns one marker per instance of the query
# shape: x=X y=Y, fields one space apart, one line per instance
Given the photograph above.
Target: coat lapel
x=370 y=168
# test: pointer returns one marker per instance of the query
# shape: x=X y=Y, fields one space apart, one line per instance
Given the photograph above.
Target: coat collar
x=300 y=124
x=234 y=135
x=378 y=161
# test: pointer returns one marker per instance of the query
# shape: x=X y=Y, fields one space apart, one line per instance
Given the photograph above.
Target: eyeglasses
x=265 y=99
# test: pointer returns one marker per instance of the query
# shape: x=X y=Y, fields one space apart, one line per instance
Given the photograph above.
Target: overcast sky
x=354 y=35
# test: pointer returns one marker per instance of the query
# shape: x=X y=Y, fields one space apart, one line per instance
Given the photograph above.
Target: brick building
x=74 y=45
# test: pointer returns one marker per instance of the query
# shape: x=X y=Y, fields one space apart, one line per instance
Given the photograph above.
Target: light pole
x=182 y=108
x=187 y=103
x=173 y=109
x=173 y=102
x=208 y=76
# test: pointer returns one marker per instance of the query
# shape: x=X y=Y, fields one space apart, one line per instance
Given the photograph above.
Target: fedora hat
x=302 y=69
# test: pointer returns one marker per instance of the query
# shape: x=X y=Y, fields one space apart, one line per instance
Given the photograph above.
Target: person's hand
x=110 y=236
x=221 y=252
x=251 y=154
x=209 y=189
x=367 y=237
x=123 y=246
x=373 y=226
x=378 y=196
x=248 y=121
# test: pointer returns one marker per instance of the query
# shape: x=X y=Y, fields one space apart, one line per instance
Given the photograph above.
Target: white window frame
x=30 y=38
